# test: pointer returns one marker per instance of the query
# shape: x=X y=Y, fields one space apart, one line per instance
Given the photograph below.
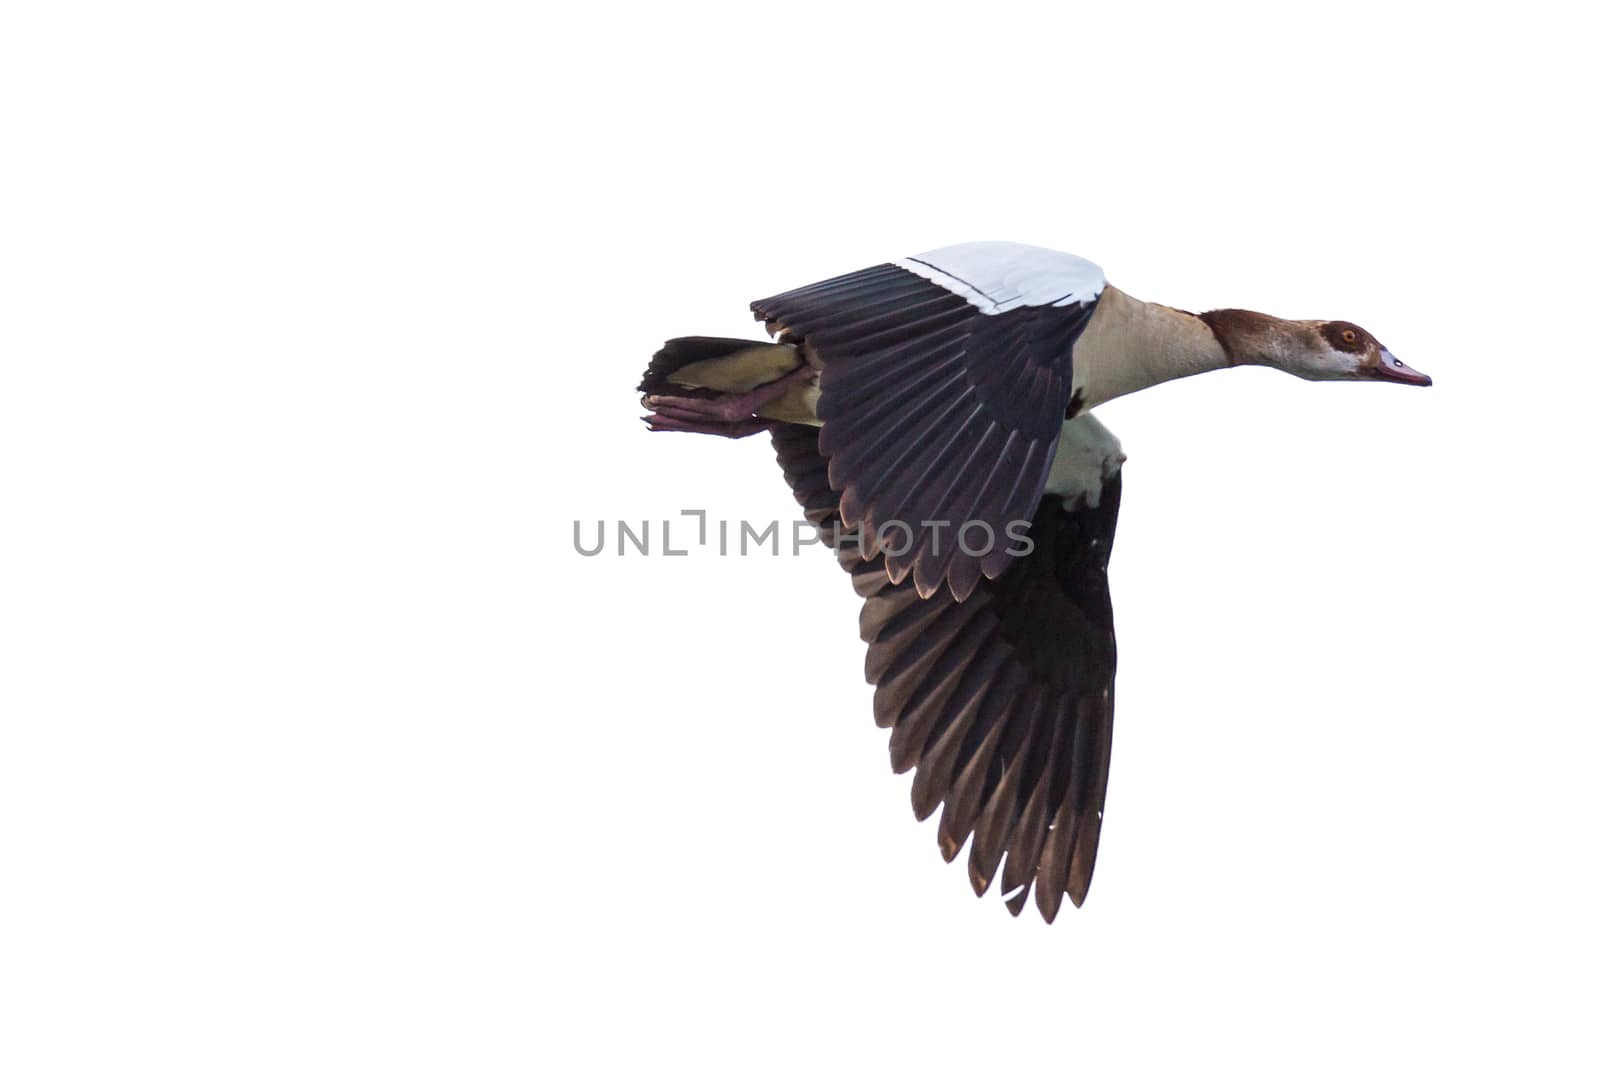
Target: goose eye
x=1397 y=363
x=1349 y=337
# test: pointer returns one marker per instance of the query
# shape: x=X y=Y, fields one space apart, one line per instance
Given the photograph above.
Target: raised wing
x=944 y=383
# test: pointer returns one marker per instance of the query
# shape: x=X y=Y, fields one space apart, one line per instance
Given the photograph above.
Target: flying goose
x=932 y=417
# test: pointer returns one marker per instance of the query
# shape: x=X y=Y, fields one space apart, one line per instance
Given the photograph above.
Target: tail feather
x=717 y=366
x=679 y=353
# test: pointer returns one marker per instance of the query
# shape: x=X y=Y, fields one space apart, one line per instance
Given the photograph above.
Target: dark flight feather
x=1002 y=701
x=934 y=414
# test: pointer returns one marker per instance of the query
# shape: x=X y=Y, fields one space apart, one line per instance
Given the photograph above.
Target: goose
x=932 y=416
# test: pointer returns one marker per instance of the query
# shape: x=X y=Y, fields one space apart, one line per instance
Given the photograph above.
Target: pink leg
x=740 y=428
x=725 y=415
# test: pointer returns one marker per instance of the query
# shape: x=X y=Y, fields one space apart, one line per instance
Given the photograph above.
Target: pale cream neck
x=1131 y=345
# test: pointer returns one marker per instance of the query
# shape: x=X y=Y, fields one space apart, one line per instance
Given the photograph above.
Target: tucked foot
x=726 y=414
x=736 y=428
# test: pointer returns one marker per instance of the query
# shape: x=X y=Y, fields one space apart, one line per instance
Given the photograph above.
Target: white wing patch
x=996 y=276
x=1087 y=455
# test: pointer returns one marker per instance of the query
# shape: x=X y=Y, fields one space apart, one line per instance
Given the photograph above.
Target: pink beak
x=1392 y=370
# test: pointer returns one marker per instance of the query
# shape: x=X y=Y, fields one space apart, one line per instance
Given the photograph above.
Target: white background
x=319 y=743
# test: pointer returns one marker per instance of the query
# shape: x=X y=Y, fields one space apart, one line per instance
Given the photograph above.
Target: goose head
x=1319 y=350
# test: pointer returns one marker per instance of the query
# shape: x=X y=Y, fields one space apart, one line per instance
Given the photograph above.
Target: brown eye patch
x=1346 y=336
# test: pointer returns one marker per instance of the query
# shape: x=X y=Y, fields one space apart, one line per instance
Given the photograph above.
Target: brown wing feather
x=934 y=415
x=1002 y=702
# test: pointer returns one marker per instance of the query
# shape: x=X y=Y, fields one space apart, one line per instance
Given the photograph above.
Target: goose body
x=932 y=415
